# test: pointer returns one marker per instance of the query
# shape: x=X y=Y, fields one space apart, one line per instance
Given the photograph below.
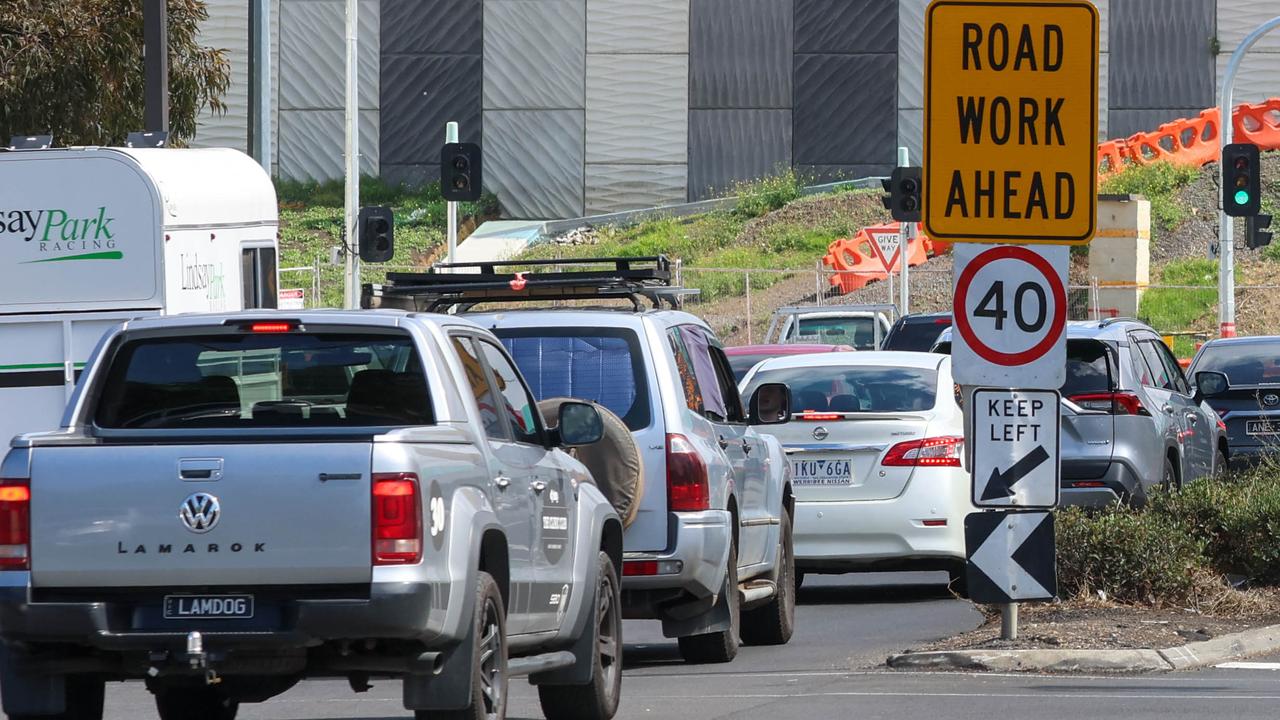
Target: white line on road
x=1249 y=666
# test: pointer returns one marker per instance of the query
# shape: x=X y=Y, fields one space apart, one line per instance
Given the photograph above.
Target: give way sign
x=887 y=244
x=1010 y=316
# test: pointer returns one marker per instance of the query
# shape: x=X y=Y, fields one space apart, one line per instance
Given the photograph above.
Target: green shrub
x=1159 y=183
x=765 y=195
x=1237 y=519
x=1133 y=556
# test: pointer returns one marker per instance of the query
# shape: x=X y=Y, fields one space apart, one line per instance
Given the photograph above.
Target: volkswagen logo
x=1271 y=399
x=200 y=512
x=820 y=433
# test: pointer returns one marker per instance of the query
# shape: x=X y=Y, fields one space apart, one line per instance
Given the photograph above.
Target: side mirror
x=579 y=424
x=1210 y=383
x=771 y=404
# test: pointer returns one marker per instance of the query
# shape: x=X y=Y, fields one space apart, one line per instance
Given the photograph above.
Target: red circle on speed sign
x=1059 y=293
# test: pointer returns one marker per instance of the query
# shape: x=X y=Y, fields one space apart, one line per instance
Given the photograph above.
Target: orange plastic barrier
x=857 y=263
x=1192 y=141
x=1258 y=124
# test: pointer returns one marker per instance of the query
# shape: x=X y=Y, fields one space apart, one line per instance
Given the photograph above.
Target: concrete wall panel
x=845 y=109
x=311 y=144
x=313 y=54
x=740 y=53
x=451 y=27
x=846 y=26
x=615 y=188
x=728 y=146
x=1160 y=53
x=534 y=161
x=637 y=108
x=534 y=54
x=421 y=94
x=638 y=26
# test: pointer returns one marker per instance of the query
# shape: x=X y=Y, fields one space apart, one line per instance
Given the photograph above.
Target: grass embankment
x=770 y=227
x=1190 y=305
x=311 y=224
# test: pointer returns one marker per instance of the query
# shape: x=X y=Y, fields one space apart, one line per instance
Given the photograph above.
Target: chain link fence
x=739 y=303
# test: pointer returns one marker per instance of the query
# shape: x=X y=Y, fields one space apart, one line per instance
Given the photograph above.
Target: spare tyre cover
x=615 y=462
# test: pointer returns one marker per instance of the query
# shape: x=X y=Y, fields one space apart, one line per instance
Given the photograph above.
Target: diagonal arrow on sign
x=1001 y=483
x=1008 y=557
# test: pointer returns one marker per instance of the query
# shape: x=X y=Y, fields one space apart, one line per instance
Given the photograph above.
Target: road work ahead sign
x=1011 y=121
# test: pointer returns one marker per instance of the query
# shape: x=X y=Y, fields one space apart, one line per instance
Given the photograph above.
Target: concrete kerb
x=1257 y=641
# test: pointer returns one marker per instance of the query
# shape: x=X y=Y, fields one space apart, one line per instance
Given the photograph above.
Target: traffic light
x=903 y=200
x=1255 y=230
x=1241 y=182
x=377 y=234
x=460 y=172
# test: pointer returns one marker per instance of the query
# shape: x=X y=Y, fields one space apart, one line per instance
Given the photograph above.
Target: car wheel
x=195 y=703
x=719 y=647
x=1169 y=477
x=1220 y=463
x=598 y=699
x=773 y=624
x=489 y=659
x=799 y=580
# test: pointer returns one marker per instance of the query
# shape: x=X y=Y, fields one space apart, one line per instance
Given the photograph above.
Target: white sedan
x=876 y=444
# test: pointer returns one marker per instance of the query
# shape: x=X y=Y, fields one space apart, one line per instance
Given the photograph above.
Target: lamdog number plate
x=208 y=607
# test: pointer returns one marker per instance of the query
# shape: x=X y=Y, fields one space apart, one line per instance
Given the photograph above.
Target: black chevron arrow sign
x=1001 y=483
x=1011 y=556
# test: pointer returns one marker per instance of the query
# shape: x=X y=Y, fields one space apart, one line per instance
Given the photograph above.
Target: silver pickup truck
x=238 y=502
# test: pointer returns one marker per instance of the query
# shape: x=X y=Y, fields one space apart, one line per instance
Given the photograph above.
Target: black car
x=916 y=333
x=1250 y=406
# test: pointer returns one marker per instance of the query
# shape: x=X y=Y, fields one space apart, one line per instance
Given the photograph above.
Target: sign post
x=1010 y=159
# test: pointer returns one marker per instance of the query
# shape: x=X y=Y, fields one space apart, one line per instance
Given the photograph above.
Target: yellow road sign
x=1011 y=121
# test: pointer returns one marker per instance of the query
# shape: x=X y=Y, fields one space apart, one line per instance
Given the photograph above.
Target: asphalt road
x=845 y=627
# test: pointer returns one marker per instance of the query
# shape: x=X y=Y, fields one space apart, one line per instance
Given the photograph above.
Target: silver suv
x=1130 y=418
x=709 y=552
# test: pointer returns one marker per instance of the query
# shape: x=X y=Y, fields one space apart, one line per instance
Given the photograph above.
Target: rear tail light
x=15 y=525
x=1115 y=403
x=688 y=485
x=271 y=327
x=929 y=452
x=647 y=568
x=397 y=519
x=819 y=416
x=1222 y=425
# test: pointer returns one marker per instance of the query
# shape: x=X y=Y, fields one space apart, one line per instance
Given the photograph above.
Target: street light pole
x=351 y=206
x=1226 y=224
x=155 y=61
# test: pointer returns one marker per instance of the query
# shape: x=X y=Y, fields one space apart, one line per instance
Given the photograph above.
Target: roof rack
x=460 y=286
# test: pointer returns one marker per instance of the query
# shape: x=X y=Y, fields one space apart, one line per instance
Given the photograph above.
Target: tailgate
x=112 y=516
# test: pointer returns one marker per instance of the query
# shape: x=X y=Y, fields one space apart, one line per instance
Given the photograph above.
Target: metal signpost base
x=1009 y=621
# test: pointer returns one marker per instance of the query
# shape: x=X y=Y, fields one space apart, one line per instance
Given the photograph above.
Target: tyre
x=1220 y=463
x=195 y=703
x=85 y=697
x=773 y=624
x=1169 y=477
x=722 y=646
x=489 y=659
x=799 y=580
x=598 y=699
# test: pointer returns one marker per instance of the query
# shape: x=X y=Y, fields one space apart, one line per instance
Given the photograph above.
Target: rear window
x=1255 y=363
x=916 y=336
x=1089 y=368
x=741 y=364
x=602 y=365
x=854 y=389
x=231 y=381
x=860 y=332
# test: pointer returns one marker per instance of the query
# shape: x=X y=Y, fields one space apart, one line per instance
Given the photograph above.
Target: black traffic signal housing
x=460 y=179
x=1241 y=180
x=377 y=234
x=904 y=188
x=1256 y=231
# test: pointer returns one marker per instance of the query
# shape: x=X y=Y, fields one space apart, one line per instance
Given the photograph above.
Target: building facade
x=594 y=106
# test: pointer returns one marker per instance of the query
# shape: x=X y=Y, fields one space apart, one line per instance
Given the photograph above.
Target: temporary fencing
x=1192 y=141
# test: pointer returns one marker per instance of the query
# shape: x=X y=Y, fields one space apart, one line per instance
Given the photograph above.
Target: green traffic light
x=1242 y=197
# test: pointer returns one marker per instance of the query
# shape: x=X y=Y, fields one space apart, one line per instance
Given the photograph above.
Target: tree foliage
x=74 y=68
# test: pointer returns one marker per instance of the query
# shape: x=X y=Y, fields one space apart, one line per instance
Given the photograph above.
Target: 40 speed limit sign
x=1010 y=316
